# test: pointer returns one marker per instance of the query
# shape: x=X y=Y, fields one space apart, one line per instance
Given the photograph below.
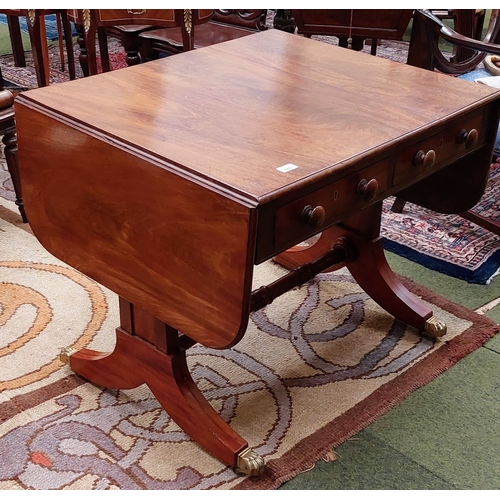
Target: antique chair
x=89 y=22
x=9 y=139
x=353 y=26
x=424 y=52
x=468 y=22
x=225 y=25
x=36 y=29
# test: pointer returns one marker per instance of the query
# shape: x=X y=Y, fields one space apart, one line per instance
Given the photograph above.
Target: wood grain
x=235 y=118
x=180 y=251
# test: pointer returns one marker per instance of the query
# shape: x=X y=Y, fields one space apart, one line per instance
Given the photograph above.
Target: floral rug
x=314 y=368
x=448 y=243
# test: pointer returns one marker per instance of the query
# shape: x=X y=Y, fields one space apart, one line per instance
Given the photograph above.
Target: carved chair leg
x=10 y=151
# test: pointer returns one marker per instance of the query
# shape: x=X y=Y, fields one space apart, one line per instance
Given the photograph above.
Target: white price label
x=287 y=167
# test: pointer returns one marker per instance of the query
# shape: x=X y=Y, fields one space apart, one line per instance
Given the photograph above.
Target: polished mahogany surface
x=234 y=112
x=168 y=181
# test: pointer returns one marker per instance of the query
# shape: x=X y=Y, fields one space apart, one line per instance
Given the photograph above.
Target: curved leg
x=370 y=269
x=373 y=274
x=135 y=361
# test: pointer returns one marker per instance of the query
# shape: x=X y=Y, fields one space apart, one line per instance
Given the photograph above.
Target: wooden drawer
x=445 y=146
x=145 y=15
x=159 y=17
x=294 y=222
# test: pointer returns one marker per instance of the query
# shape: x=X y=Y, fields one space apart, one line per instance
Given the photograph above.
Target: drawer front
x=303 y=217
x=124 y=15
x=159 y=17
x=424 y=157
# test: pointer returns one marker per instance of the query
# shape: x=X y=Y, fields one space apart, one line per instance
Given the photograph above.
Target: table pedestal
x=148 y=351
x=152 y=352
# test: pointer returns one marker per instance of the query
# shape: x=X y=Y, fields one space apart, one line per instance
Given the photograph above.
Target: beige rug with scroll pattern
x=315 y=367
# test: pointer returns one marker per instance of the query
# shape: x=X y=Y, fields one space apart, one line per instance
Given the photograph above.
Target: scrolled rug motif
x=314 y=368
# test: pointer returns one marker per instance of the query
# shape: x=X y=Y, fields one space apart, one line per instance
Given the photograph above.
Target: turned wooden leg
x=10 y=151
x=88 y=54
x=161 y=365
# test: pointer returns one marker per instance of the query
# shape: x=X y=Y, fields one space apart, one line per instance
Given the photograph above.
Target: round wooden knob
x=367 y=189
x=472 y=138
x=313 y=217
x=469 y=138
x=424 y=159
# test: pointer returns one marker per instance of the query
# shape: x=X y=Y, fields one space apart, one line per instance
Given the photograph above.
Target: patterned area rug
x=448 y=243
x=25 y=78
x=314 y=368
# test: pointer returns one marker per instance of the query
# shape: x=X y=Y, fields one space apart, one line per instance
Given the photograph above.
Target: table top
x=160 y=181
x=231 y=114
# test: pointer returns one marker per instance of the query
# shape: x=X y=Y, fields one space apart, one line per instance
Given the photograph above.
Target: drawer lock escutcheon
x=313 y=217
x=469 y=138
x=424 y=159
x=367 y=189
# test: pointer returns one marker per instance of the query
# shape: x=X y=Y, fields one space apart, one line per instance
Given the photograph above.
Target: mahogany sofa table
x=168 y=181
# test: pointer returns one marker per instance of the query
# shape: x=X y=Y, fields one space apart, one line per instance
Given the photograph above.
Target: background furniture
x=424 y=52
x=9 y=139
x=468 y=22
x=355 y=24
x=225 y=25
x=128 y=35
x=428 y=30
x=89 y=22
x=36 y=29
